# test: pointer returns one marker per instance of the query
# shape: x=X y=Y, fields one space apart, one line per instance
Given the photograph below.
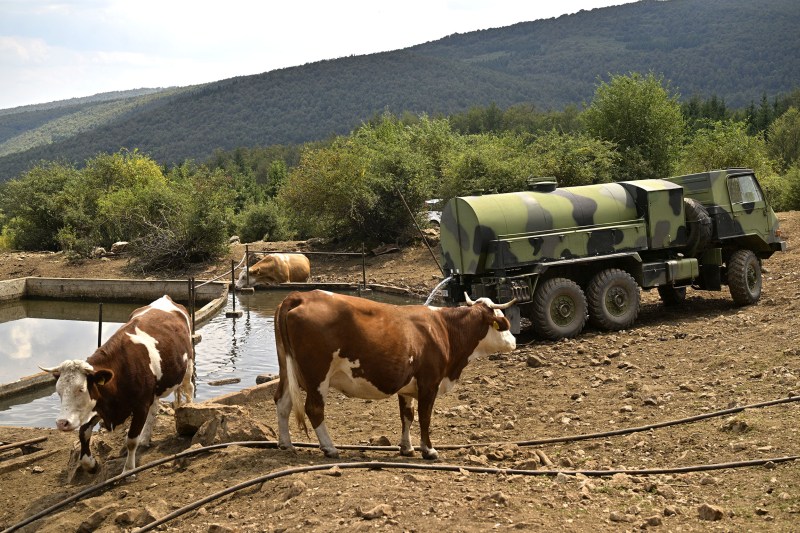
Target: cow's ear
x=100 y=377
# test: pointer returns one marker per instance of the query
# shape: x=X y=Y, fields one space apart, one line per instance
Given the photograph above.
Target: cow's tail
x=186 y=388
x=288 y=365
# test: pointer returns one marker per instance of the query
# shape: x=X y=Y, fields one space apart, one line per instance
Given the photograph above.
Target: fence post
x=100 y=325
x=234 y=313
x=363 y=267
x=247 y=265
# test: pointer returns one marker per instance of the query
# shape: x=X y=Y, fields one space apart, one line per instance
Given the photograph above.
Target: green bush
x=262 y=221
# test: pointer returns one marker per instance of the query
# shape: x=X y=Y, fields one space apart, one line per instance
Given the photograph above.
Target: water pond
x=44 y=333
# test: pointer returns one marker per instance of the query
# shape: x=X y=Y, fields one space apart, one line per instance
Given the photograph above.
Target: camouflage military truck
x=576 y=253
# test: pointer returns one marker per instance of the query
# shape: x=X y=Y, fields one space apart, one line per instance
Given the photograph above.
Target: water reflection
x=239 y=348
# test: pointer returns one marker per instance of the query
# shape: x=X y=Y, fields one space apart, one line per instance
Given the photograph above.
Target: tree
x=726 y=144
x=33 y=205
x=574 y=159
x=643 y=119
x=784 y=139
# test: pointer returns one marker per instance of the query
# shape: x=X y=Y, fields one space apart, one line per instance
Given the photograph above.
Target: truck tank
x=512 y=230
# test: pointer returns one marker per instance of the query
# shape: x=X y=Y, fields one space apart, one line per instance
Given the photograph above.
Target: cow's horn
x=49 y=370
x=505 y=305
x=493 y=305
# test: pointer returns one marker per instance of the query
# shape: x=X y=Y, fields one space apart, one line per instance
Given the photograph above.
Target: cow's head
x=264 y=272
x=498 y=336
x=78 y=385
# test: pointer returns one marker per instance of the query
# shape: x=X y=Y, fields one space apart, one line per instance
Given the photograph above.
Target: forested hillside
x=737 y=50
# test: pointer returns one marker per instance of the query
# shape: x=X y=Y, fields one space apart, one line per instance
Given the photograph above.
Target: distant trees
x=355 y=187
x=784 y=139
x=726 y=144
x=643 y=119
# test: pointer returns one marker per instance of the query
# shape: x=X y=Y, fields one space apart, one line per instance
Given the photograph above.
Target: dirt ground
x=703 y=357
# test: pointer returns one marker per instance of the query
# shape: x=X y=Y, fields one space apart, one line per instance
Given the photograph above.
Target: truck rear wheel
x=613 y=297
x=559 y=309
x=744 y=277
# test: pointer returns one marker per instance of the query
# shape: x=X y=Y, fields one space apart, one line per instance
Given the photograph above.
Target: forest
x=739 y=51
x=353 y=188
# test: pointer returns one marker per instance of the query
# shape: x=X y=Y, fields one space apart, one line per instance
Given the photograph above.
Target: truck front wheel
x=744 y=277
x=613 y=297
x=559 y=309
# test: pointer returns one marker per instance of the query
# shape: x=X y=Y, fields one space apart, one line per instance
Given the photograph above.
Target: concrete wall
x=144 y=291
x=12 y=289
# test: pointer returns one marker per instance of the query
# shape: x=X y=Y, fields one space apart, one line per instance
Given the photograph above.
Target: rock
x=378 y=511
x=653 y=521
x=265 y=378
x=189 y=418
x=616 y=516
x=98 y=252
x=219 y=528
x=119 y=247
x=234 y=239
x=232 y=428
x=534 y=361
x=295 y=489
x=381 y=440
x=709 y=512
x=151 y=513
x=98 y=517
x=498 y=497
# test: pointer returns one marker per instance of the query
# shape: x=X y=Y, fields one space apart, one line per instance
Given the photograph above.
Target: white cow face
x=498 y=337
x=73 y=381
x=242 y=281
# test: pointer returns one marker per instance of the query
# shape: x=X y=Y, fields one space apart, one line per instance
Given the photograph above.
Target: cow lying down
x=273 y=269
x=144 y=360
x=372 y=350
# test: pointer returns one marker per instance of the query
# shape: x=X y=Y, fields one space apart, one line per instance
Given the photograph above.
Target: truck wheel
x=698 y=226
x=559 y=309
x=744 y=277
x=613 y=297
x=671 y=295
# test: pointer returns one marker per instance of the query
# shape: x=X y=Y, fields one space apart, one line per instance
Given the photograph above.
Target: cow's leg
x=283 y=404
x=406 y=419
x=315 y=409
x=138 y=421
x=425 y=409
x=87 y=462
x=149 y=423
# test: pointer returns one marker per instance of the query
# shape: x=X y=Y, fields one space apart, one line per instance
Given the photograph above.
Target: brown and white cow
x=273 y=269
x=372 y=350
x=147 y=358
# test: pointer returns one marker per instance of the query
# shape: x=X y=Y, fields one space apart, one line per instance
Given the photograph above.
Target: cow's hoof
x=89 y=465
x=287 y=447
x=330 y=453
x=430 y=455
x=407 y=452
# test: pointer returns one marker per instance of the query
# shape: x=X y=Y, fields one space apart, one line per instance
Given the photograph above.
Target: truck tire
x=744 y=277
x=559 y=309
x=613 y=297
x=671 y=295
x=698 y=227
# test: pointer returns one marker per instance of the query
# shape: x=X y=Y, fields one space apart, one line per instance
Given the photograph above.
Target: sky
x=54 y=50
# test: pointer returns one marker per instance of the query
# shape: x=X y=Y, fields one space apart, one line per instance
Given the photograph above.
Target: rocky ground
x=704 y=357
